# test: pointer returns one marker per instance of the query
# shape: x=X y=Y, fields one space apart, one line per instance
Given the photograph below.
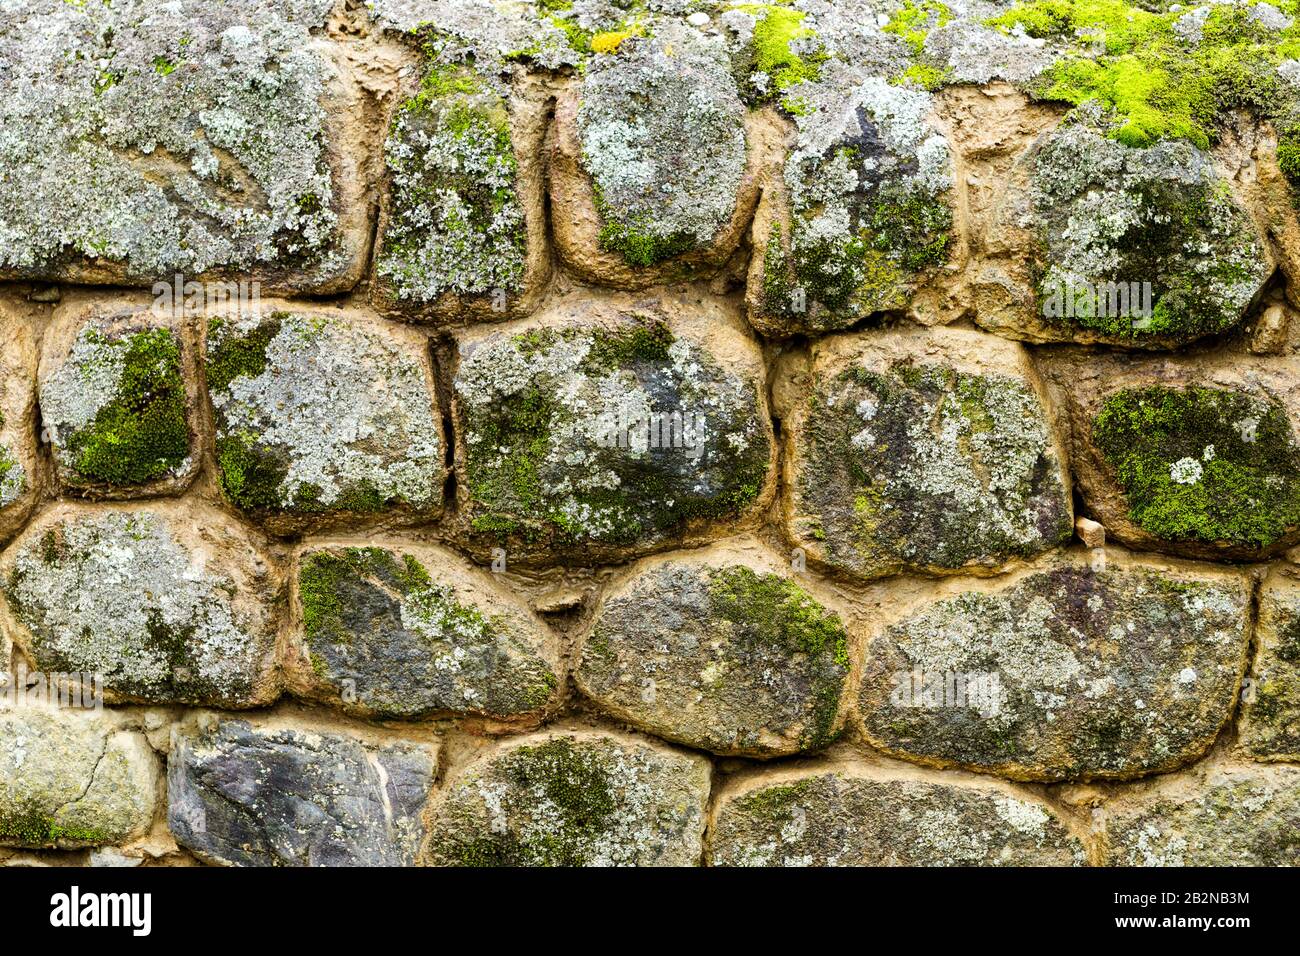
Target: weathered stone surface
x=73 y=778
x=119 y=403
x=171 y=603
x=723 y=650
x=1270 y=720
x=322 y=414
x=1063 y=671
x=1212 y=816
x=655 y=169
x=858 y=815
x=20 y=480
x=144 y=139
x=411 y=631
x=266 y=794
x=540 y=406
x=864 y=213
x=579 y=798
x=1145 y=247
x=462 y=230
x=927 y=450
x=1195 y=456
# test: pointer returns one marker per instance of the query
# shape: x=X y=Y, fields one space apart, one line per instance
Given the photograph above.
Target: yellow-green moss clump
x=1203 y=465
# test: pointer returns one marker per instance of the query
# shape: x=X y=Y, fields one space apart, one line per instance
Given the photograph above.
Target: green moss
x=1239 y=464
x=250 y=474
x=232 y=355
x=776 y=803
x=141 y=434
x=634 y=241
x=32 y=826
x=914 y=21
x=776 y=27
x=1160 y=86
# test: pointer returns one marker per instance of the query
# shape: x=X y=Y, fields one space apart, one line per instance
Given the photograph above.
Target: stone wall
x=651 y=432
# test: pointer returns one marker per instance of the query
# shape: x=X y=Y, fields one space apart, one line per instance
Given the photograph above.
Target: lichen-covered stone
x=1146 y=247
x=20 y=481
x=410 y=632
x=608 y=427
x=1062 y=672
x=851 y=815
x=323 y=413
x=1196 y=457
x=865 y=214
x=142 y=139
x=921 y=449
x=651 y=177
x=267 y=794
x=463 y=227
x=1270 y=721
x=722 y=650
x=169 y=603
x=118 y=403
x=1213 y=816
x=73 y=779
x=573 y=798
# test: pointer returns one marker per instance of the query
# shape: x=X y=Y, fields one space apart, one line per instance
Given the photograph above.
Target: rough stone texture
x=409 y=631
x=860 y=815
x=655 y=167
x=863 y=214
x=206 y=138
x=462 y=232
x=1195 y=456
x=573 y=798
x=1270 y=721
x=323 y=413
x=1084 y=215
x=20 y=479
x=539 y=406
x=1091 y=674
x=264 y=794
x=119 y=401
x=1214 y=816
x=722 y=650
x=929 y=450
x=170 y=604
x=73 y=779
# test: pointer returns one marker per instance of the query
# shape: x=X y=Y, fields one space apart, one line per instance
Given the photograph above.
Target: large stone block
x=323 y=415
x=926 y=450
x=1222 y=815
x=73 y=778
x=858 y=815
x=723 y=649
x=141 y=140
x=412 y=631
x=573 y=798
x=602 y=428
x=656 y=164
x=119 y=400
x=1063 y=671
x=272 y=794
x=1195 y=456
x=169 y=603
x=20 y=460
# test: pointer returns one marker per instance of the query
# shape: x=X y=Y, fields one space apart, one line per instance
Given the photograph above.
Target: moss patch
x=1203 y=465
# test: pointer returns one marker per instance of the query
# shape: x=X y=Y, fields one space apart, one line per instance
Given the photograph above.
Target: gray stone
x=721 y=650
x=927 y=450
x=1270 y=711
x=580 y=798
x=200 y=137
x=414 y=632
x=847 y=815
x=1063 y=672
x=73 y=779
x=168 y=603
x=244 y=794
x=323 y=413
